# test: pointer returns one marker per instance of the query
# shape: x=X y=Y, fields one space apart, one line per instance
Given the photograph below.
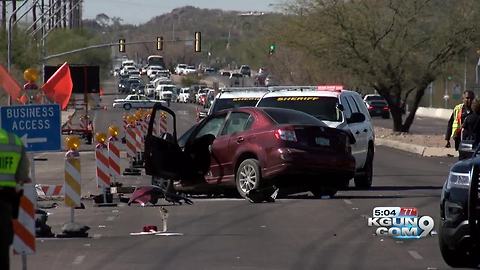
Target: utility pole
x=14 y=8
x=70 y=18
x=65 y=14
x=4 y=15
x=34 y=15
x=465 y=74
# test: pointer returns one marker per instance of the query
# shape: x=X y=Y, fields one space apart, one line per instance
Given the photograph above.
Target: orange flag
x=59 y=86
x=9 y=84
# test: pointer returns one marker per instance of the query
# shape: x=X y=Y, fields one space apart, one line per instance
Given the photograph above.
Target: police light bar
x=336 y=88
x=244 y=89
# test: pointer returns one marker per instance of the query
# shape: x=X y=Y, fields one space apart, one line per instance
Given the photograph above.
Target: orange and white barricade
x=24 y=226
x=114 y=157
x=73 y=179
x=130 y=137
x=163 y=122
x=49 y=190
x=103 y=167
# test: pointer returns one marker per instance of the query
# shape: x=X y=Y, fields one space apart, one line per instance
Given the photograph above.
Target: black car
x=459 y=231
x=378 y=108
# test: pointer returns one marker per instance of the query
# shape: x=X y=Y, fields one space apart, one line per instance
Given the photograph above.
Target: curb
x=418 y=149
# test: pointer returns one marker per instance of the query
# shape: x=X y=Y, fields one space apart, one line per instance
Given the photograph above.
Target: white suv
x=234 y=97
x=337 y=108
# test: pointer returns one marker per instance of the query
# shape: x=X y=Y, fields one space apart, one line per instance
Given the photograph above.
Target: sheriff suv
x=338 y=108
x=459 y=228
x=236 y=97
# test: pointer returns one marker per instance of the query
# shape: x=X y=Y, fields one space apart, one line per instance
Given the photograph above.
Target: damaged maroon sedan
x=253 y=148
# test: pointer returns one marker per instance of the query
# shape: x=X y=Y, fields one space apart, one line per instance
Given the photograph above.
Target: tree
x=396 y=47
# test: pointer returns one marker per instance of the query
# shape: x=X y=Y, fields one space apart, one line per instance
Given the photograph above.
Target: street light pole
x=465 y=74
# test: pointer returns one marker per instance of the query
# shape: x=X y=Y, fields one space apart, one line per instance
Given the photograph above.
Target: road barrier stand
x=140 y=142
x=114 y=155
x=24 y=226
x=152 y=229
x=165 y=232
x=73 y=188
x=103 y=170
x=131 y=148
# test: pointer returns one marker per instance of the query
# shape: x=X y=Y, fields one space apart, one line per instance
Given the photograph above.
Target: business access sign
x=39 y=126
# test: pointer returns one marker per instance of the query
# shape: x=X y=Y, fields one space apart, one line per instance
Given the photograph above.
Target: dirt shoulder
x=417 y=139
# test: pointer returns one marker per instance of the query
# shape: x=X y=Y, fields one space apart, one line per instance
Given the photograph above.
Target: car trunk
x=319 y=138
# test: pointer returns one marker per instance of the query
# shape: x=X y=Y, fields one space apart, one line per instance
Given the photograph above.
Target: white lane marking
x=97 y=235
x=415 y=255
x=110 y=218
x=79 y=259
x=348 y=201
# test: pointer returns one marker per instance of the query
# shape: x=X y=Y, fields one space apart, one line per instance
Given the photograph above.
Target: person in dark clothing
x=471 y=129
x=460 y=112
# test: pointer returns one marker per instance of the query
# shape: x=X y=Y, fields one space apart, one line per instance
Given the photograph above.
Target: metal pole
x=431 y=94
x=72 y=214
x=24 y=261
x=446 y=94
x=9 y=36
x=465 y=75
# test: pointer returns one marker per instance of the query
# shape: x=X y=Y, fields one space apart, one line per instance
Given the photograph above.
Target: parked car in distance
x=136 y=101
x=179 y=69
x=189 y=70
x=378 y=108
x=245 y=70
x=150 y=90
x=253 y=148
x=184 y=95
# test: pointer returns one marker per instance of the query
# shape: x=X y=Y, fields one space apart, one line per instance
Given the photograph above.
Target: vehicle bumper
x=378 y=113
x=288 y=161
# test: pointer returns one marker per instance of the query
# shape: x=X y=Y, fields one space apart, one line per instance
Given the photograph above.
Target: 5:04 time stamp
x=391 y=212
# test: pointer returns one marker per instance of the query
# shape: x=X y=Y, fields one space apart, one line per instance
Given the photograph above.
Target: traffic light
x=159 y=43
x=121 y=45
x=271 y=49
x=198 y=42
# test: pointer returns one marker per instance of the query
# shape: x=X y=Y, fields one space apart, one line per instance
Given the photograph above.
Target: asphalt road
x=296 y=232
x=421 y=125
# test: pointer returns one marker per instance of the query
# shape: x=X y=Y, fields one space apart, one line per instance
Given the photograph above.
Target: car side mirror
x=356 y=118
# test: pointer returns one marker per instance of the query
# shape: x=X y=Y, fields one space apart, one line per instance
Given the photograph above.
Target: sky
x=141 y=11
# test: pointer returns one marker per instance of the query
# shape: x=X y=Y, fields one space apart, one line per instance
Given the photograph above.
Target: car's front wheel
x=459 y=257
x=127 y=106
x=248 y=176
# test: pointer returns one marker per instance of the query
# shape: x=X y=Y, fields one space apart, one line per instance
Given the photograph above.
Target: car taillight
x=370 y=107
x=385 y=108
x=286 y=135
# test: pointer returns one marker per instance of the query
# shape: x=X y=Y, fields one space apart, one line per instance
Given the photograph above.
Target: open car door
x=163 y=156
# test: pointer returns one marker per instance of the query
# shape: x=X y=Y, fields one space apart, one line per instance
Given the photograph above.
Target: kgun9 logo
x=400 y=222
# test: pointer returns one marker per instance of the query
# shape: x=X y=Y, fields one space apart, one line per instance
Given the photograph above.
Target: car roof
x=237 y=92
x=309 y=91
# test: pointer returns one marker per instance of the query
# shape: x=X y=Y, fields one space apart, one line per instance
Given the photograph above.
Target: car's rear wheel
x=127 y=106
x=248 y=176
x=364 y=180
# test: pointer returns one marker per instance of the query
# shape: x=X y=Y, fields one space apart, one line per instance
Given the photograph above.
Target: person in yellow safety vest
x=460 y=112
x=14 y=170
